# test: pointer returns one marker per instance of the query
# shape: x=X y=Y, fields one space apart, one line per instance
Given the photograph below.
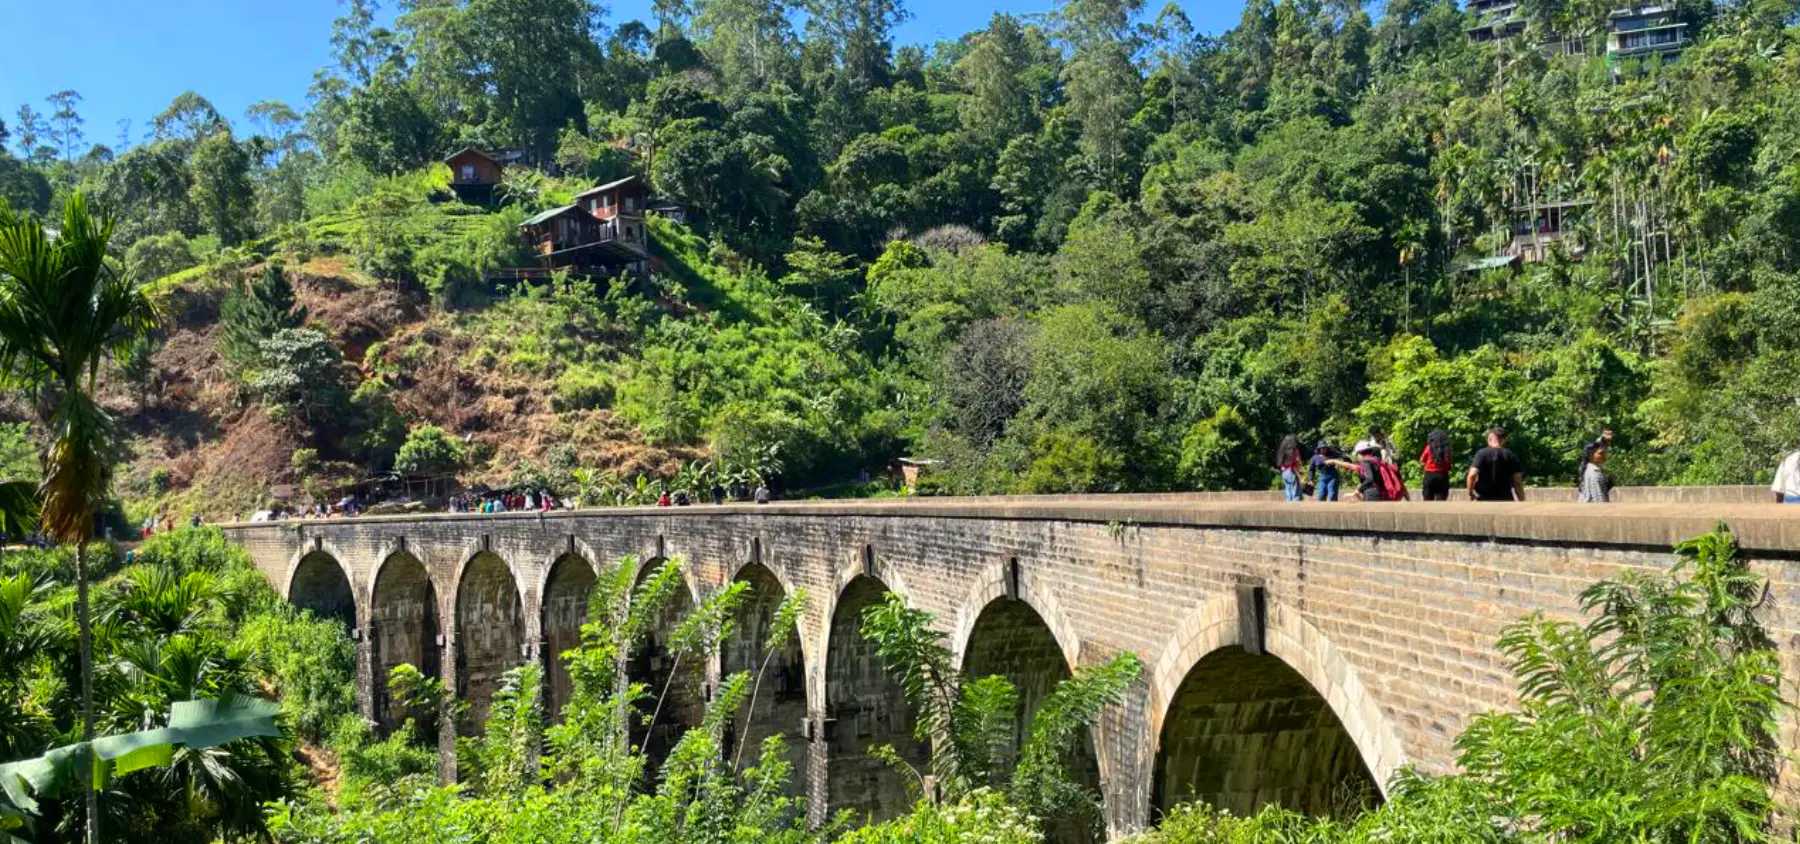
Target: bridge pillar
x=817 y=770
x=365 y=667
x=447 y=726
x=1122 y=739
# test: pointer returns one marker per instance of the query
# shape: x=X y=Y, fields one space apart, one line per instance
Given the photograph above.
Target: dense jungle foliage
x=1089 y=249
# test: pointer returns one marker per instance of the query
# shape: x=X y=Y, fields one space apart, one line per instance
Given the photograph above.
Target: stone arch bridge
x=1293 y=653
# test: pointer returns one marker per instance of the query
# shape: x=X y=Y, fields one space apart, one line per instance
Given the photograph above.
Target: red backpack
x=1392 y=487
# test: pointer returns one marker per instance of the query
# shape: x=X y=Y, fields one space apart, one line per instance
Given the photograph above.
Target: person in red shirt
x=1436 y=460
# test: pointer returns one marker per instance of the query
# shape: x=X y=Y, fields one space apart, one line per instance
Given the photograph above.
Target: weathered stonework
x=1387 y=613
x=778 y=705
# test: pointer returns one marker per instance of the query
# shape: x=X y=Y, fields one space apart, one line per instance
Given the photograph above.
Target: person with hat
x=1322 y=473
x=1368 y=468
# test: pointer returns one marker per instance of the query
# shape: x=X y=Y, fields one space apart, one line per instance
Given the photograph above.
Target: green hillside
x=1088 y=251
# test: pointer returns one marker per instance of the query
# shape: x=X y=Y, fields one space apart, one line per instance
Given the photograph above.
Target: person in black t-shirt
x=1495 y=473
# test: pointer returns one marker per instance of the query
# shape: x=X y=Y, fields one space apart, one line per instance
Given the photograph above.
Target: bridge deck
x=1758 y=526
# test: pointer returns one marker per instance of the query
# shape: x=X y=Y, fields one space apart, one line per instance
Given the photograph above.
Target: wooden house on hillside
x=474 y=175
x=602 y=229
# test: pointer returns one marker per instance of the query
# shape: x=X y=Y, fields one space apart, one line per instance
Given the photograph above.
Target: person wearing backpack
x=1380 y=479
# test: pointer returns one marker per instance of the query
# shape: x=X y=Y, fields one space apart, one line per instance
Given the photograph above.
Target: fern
x=969 y=723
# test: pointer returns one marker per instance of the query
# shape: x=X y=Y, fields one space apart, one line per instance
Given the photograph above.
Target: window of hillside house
x=630 y=204
x=606 y=200
x=468 y=172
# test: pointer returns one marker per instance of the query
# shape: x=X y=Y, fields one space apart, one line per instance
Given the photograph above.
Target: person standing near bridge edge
x=1496 y=473
x=1787 y=480
x=1287 y=464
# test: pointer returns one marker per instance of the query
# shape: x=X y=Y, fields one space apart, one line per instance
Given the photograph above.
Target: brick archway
x=404 y=627
x=320 y=581
x=864 y=707
x=676 y=700
x=1010 y=639
x=568 y=579
x=780 y=704
x=1212 y=630
x=489 y=631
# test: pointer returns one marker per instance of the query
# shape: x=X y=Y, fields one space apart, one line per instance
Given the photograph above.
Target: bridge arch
x=319 y=580
x=490 y=630
x=1010 y=638
x=675 y=683
x=404 y=627
x=780 y=705
x=864 y=707
x=568 y=579
x=1220 y=714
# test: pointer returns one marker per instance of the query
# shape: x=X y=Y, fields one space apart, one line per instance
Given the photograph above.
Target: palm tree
x=62 y=309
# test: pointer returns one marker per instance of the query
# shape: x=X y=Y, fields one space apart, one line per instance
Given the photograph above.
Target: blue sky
x=129 y=58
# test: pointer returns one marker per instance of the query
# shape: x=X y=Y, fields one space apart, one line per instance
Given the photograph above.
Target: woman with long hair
x=1594 y=486
x=1287 y=462
x=1436 y=460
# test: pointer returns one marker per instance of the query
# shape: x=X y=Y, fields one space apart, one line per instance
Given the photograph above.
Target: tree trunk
x=85 y=626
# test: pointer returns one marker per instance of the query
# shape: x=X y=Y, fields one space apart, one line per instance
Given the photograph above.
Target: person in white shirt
x=1787 y=480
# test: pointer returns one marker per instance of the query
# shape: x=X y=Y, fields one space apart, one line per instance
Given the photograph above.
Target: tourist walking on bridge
x=1287 y=464
x=1594 y=486
x=1787 y=480
x=1436 y=460
x=1496 y=473
x=1380 y=478
x=1389 y=454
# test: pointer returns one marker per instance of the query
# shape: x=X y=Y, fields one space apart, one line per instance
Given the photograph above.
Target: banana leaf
x=196 y=724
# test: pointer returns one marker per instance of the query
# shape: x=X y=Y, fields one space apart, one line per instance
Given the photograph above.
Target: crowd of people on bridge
x=512 y=501
x=1495 y=472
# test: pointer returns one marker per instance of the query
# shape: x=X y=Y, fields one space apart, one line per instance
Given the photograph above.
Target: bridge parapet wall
x=1388 y=612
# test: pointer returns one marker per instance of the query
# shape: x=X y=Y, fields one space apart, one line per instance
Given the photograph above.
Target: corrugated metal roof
x=545 y=215
x=606 y=187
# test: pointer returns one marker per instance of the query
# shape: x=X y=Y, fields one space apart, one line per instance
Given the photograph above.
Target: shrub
x=582 y=388
x=429 y=450
x=379 y=428
x=160 y=255
x=310 y=664
x=1072 y=463
x=299 y=372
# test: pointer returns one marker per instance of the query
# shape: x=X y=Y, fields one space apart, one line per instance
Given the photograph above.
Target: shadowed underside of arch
x=565 y=609
x=675 y=683
x=1011 y=640
x=319 y=584
x=404 y=624
x=1246 y=731
x=865 y=708
x=489 y=633
x=780 y=705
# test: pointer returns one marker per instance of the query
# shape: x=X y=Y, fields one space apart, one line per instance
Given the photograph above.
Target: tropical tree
x=969 y=721
x=63 y=308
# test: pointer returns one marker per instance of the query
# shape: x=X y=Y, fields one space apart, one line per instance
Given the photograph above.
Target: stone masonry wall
x=1388 y=612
